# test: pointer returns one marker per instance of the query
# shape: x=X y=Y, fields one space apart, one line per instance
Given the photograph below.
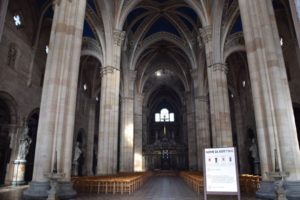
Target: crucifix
x=164 y=119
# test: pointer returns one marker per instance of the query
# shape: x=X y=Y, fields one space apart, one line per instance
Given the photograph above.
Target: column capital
x=119 y=37
x=107 y=70
x=206 y=34
x=126 y=98
x=203 y=98
x=219 y=67
x=57 y=2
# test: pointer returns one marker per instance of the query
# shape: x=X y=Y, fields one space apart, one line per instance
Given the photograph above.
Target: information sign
x=220 y=172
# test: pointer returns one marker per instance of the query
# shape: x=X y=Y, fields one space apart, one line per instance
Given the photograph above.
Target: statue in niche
x=254 y=155
x=24 y=145
x=254 y=151
x=77 y=152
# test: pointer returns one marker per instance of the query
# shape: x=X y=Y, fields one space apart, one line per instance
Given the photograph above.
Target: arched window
x=164 y=116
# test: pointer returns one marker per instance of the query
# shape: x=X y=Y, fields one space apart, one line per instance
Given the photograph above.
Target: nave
x=94 y=88
x=156 y=188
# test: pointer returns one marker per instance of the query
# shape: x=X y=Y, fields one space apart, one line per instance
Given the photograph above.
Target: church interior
x=110 y=98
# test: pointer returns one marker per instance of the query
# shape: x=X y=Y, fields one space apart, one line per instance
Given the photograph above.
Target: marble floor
x=157 y=188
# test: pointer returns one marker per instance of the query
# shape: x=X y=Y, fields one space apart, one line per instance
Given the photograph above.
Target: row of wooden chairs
x=248 y=183
x=120 y=183
x=194 y=179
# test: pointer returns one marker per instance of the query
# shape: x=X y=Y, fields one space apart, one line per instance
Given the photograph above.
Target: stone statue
x=254 y=154
x=254 y=151
x=24 y=145
x=77 y=152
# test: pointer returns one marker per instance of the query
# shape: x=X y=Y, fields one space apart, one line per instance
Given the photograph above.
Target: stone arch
x=166 y=66
x=90 y=47
x=150 y=93
x=199 y=8
x=234 y=43
x=159 y=36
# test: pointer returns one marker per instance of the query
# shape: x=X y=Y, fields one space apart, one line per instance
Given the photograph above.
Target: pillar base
x=266 y=190
x=292 y=189
x=66 y=191
x=39 y=191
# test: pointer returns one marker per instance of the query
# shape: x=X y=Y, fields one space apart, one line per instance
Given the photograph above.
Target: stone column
x=192 y=144
x=108 y=125
x=274 y=116
x=145 y=132
x=109 y=109
x=218 y=94
x=297 y=3
x=138 y=132
x=145 y=126
x=3 y=10
x=295 y=10
x=202 y=127
x=201 y=116
x=57 y=115
x=90 y=137
x=127 y=122
x=127 y=135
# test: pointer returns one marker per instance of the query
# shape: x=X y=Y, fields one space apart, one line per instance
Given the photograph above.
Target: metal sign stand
x=206 y=193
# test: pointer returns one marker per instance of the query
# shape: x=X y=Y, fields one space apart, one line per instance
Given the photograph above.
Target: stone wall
x=15 y=58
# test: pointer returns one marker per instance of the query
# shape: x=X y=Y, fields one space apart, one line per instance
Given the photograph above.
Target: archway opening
x=5 y=151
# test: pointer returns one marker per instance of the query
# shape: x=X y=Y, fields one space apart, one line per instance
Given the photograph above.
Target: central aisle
x=157 y=188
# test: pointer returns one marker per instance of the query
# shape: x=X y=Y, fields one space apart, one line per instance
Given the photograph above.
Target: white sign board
x=221 y=170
